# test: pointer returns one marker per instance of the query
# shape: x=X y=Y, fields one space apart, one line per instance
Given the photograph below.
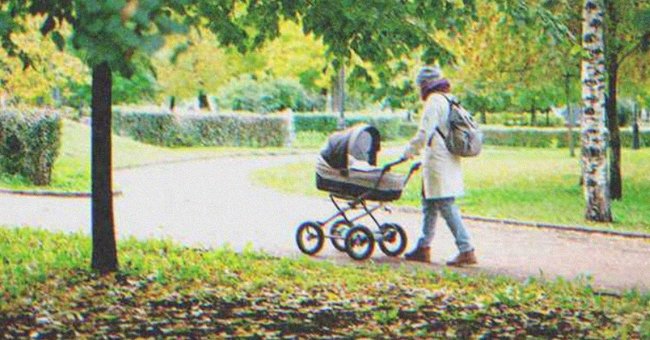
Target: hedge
x=548 y=138
x=408 y=130
x=521 y=119
x=167 y=129
x=390 y=126
x=29 y=143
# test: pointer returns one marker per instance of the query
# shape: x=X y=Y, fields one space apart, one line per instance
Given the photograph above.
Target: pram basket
x=346 y=169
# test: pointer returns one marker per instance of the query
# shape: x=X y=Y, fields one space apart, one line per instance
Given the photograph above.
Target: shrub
x=247 y=94
x=388 y=126
x=325 y=123
x=408 y=130
x=523 y=119
x=29 y=143
x=548 y=138
x=164 y=128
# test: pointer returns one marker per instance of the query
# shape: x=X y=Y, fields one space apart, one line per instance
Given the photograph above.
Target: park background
x=192 y=98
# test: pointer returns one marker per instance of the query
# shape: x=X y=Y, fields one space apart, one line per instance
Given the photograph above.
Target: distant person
x=442 y=176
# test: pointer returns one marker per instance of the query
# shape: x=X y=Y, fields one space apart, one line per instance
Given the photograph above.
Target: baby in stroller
x=347 y=169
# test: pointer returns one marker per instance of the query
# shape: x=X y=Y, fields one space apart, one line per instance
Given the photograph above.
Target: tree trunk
x=594 y=132
x=533 y=117
x=172 y=103
x=567 y=92
x=104 y=258
x=636 y=142
x=203 y=101
x=615 y=185
x=612 y=65
x=340 y=87
x=548 y=119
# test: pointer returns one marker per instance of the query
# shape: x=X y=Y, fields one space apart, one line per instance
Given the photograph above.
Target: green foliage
x=165 y=290
x=389 y=126
x=494 y=102
x=166 y=129
x=140 y=88
x=547 y=138
x=408 y=130
x=29 y=143
x=523 y=119
x=271 y=95
x=323 y=123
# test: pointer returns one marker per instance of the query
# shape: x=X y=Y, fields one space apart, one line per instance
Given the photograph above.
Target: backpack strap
x=438 y=127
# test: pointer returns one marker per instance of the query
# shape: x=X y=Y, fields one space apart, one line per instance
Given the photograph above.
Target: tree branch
x=631 y=51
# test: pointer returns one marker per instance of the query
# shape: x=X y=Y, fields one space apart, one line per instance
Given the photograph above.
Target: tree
x=194 y=62
x=594 y=132
x=627 y=32
x=520 y=53
x=107 y=35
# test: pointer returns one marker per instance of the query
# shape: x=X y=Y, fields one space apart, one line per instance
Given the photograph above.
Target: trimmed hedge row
x=390 y=127
x=166 y=129
x=521 y=119
x=29 y=143
x=548 y=138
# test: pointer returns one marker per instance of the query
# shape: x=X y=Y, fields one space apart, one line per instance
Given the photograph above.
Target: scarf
x=429 y=87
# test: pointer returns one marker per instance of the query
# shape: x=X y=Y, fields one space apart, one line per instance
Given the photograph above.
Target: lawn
x=72 y=168
x=540 y=185
x=164 y=290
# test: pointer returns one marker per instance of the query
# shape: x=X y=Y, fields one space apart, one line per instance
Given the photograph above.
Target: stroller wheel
x=359 y=243
x=310 y=238
x=392 y=240
x=338 y=231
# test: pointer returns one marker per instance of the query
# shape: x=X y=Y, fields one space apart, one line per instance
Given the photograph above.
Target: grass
x=539 y=185
x=163 y=289
x=72 y=168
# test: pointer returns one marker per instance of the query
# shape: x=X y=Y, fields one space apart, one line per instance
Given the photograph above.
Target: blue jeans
x=451 y=214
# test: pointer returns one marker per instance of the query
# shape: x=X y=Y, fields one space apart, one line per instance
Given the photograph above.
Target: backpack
x=464 y=138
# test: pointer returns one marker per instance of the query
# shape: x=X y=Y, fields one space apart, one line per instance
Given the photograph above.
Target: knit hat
x=428 y=74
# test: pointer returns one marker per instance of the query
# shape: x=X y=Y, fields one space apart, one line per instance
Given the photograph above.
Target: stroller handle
x=388 y=166
x=415 y=167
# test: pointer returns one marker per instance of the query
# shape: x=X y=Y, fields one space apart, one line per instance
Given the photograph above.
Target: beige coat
x=441 y=170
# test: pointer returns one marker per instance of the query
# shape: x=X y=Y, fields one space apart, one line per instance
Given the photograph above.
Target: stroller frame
x=357 y=235
x=352 y=204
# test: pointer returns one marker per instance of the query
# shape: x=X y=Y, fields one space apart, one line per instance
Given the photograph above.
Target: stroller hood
x=361 y=142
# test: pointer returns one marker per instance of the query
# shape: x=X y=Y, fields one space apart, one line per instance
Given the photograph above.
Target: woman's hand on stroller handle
x=388 y=166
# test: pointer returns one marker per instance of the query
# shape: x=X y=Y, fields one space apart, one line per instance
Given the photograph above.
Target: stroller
x=346 y=168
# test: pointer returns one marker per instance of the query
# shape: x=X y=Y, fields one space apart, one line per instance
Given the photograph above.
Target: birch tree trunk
x=594 y=133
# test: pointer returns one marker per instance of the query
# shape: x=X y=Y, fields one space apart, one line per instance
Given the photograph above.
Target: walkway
x=211 y=203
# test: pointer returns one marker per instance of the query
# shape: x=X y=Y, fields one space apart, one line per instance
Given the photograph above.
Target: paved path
x=210 y=203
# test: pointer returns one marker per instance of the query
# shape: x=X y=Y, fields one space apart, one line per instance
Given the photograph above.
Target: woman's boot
x=420 y=254
x=462 y=259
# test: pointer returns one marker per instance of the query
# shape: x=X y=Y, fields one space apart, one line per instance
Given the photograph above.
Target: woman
x=442 y=176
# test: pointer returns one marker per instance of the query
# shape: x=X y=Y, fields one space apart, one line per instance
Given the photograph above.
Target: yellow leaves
x=52 y=68
x=207 y=66
x=386 y=302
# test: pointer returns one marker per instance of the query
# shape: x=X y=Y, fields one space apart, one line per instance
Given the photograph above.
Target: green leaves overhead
x=9 y=10
x=104 y=31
